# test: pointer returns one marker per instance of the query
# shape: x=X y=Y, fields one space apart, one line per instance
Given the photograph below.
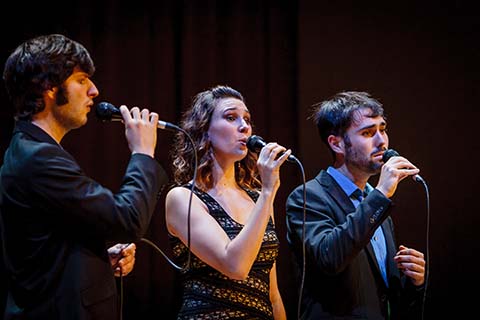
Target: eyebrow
x=234 y=108
x=382 y=124
x=81 y=74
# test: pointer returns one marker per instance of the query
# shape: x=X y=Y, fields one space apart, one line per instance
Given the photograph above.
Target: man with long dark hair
x=55 y=221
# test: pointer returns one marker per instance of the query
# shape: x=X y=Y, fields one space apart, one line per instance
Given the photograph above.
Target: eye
x=230 y=117
x=247 y=120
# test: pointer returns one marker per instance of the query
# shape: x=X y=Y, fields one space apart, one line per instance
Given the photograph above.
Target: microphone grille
x=105 y=111
x=388 y=154
x=255 y=143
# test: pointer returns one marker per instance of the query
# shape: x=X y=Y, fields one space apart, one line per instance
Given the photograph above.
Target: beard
x=67 y=116
x=355 y=159
x=61 y=97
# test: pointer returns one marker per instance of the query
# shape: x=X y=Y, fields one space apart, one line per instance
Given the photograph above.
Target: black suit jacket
x=56 y=223
x=343 y=280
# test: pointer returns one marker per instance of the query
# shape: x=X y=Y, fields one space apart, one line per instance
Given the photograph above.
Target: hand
x=269 y=166
x=393 y=171
x=412 y=263
x=122 y=258
x=140 y=130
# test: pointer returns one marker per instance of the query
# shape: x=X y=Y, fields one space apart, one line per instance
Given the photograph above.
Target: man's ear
x=51 y=93
x=337 y=144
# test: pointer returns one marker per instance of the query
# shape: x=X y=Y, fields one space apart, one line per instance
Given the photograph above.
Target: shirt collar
x=346 y=184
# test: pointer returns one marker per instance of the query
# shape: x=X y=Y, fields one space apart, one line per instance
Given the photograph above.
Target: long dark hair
x=196 y=122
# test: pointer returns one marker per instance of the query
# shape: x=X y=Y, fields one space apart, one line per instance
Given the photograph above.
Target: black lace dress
x=209 y=294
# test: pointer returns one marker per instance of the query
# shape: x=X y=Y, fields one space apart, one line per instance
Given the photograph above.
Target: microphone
x=106 y=111
x=392 y=153
x=256 y=143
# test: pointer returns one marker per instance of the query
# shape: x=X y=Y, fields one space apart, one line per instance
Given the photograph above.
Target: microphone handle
x=292 y=158
x=167 y=126
x=164 y=125
x=418 y=178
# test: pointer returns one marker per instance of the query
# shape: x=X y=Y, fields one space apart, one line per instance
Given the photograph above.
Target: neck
x=50 y=126
x=223 y=175
x=358 y=177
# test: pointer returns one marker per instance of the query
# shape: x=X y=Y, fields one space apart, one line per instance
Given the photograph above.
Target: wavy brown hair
x=196 y=122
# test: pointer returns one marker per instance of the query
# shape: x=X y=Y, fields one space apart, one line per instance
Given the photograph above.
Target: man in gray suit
x=55 y=222
x=354 y=270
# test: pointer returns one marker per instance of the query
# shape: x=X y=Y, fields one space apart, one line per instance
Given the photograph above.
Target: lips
x=89 y=106
x=378 y=155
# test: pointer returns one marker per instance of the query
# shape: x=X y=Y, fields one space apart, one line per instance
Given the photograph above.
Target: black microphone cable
x=192 y=187
x=427 y=249
x=255 y=144
x=106 y=111
x=121 y=295
x=392 y=153
x=304 y=260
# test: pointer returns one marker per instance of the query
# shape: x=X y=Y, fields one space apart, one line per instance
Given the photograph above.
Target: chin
x=241 y=155
x=81 y=123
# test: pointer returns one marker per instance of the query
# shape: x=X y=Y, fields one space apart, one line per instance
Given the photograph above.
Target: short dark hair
x=335 y=115
x=40 y=64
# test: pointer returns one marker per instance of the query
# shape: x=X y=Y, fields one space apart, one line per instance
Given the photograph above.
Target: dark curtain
x=419 y=59
x=159 y=54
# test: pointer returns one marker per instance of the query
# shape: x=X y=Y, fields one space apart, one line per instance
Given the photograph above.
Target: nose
x=244 y=126
x=93 y=91
x=381 y=138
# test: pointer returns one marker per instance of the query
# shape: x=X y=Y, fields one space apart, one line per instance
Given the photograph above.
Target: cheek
x=216 y=136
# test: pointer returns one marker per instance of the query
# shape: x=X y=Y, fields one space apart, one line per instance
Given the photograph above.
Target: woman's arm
x=275 y=297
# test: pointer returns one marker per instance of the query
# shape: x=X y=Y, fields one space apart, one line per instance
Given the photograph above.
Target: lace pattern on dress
x=209 y=294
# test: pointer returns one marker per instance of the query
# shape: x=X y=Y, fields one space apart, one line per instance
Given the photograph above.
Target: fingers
x=275 y=153
x=402 y=167
x=136 y=114
x=125 y=260
x=128 y=250
x=412 y=263
x=140 y=129
x=153 y=118
x=271 y=157
x=393 y=171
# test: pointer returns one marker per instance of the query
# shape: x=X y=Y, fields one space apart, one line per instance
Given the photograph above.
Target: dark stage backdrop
x=420 y=60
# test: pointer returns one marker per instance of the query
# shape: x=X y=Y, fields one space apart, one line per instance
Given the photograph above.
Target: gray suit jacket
x=343 y=280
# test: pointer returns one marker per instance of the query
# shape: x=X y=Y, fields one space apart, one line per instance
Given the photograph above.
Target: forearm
x=275 y=297
x=241 y=252
x=137 y=198
x=279 y=310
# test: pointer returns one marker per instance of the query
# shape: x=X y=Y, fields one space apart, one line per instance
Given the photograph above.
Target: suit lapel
x=344 y=202
x=336 y=192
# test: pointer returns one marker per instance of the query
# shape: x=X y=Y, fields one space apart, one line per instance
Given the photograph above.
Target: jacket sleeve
x=59 y=187
x=333 y=237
